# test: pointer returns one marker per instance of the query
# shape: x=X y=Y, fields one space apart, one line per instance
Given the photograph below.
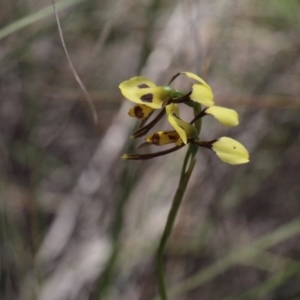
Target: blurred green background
x=77 y=222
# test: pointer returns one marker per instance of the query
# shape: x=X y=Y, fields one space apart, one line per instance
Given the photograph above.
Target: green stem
x=169 y=225
x=183 y=182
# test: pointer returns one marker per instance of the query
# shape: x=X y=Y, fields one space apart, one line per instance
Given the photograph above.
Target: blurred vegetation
x=79 y=223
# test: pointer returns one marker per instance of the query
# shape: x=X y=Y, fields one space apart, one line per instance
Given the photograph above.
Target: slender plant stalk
x=72 y=67
x=169 y=225
x=186 y=172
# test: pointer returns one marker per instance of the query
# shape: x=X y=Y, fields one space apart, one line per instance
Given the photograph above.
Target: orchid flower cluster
x=150 y=98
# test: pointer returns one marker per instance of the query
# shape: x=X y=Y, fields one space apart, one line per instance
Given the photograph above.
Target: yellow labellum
x=230 y=151
x=140 y=111
x=202 y=92
x=226 y=116
x=184 y=129
x=173 y=114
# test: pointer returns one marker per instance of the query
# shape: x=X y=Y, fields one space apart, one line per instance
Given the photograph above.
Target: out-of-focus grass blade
x=34 y=17
x=237 y=256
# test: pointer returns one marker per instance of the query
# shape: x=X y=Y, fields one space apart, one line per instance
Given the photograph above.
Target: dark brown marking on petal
x=138 y=112
x=173 y=137
x=155 y=139
x=147 y=97
x=143 y=86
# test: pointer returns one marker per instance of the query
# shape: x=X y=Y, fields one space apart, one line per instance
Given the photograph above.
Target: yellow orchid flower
x=150 y=97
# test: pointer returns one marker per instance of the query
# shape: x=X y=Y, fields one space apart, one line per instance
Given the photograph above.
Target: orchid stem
x=183 y=182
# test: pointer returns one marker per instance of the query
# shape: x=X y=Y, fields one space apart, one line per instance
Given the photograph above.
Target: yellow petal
x=142 y=90
x=184 y=129
x=195 y=77
x=140 y=111
x=230 y=151
x=202 y=92
x=172 y=114
x=226 y=116
x=138 y=81
x=155 y=97
x=163 y=138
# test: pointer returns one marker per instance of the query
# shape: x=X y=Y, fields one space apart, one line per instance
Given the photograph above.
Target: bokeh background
x=77 y=222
